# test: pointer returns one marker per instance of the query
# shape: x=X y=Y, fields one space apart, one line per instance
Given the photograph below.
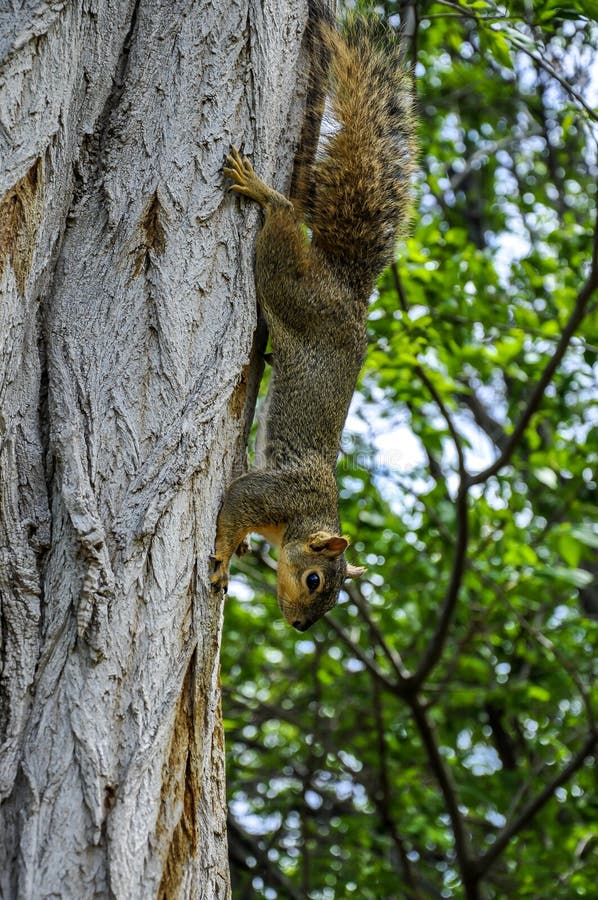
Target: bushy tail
x=354 y=190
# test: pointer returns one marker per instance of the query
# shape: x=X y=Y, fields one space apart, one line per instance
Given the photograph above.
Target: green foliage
x=346 y=778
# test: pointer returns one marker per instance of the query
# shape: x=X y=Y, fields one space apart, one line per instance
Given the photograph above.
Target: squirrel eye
x=313 y=581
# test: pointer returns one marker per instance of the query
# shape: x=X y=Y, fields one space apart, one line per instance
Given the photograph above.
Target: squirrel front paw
x=218 y=574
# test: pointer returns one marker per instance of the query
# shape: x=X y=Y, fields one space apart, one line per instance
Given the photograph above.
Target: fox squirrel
x=351 y=187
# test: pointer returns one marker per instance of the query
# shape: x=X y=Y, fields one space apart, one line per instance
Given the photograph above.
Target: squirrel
x=351 y=188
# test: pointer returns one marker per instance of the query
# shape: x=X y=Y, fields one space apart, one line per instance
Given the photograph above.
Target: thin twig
x=419 y=371
x=539 y=60
x=463 y=14
x=544 y=64
x=565 y=665
x=269 y=872
x=392 y=656
x=489 y=425
x=534 y=806
x=362 y=657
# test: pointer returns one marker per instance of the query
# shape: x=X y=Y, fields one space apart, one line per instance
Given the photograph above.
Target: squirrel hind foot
x=246 y=182
x=218 y=575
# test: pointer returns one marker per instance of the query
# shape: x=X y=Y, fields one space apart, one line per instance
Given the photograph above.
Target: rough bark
x=126 y=319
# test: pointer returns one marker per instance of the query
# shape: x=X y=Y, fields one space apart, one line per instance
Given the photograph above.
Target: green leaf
x=570 y=549
x=499 y=47
x=535 y=692
x=579 y=578
x=587 y=535
x=588 y=8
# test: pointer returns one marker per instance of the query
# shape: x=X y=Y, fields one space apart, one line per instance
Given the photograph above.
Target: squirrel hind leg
x=246 y=182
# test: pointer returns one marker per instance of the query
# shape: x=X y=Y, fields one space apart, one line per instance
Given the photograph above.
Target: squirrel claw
x=243 y=548
x=219 y=582
x=218 y=575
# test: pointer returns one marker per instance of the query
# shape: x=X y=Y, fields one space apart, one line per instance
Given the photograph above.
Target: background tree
x=435 y=735
x=126 y=316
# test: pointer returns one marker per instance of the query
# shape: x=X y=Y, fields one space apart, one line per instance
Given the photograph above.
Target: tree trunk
x=127 y=310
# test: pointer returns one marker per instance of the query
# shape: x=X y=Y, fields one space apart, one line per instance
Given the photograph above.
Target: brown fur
x=314 y=296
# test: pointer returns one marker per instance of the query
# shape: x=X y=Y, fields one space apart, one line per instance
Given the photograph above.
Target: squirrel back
x=352 y=179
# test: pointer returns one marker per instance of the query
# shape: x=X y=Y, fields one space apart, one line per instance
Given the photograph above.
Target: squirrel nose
x=301 y=625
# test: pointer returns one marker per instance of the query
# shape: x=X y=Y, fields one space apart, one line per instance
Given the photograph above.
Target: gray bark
x=126 y=319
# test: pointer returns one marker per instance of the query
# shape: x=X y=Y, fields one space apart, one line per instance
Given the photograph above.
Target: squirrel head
x=310 y=575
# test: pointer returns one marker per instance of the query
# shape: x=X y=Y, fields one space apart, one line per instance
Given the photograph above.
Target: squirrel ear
x=329 y=544
x=355 y=571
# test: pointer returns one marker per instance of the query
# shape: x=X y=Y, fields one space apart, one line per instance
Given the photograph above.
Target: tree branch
x=435 y=647
x=383 y=798
x=443 y=777
x=575 y=319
